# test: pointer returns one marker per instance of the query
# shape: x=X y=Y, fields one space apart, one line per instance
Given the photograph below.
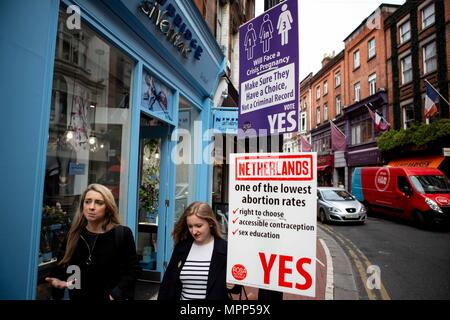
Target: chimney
x=325 y=60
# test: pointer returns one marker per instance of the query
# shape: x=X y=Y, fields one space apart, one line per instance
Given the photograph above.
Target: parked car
x=421 y=195
x=337 y=205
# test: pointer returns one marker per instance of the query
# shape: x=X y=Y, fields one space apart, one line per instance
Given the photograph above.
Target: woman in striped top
x=197 y=268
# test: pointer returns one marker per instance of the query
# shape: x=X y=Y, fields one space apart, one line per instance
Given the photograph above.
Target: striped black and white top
x=194 y=274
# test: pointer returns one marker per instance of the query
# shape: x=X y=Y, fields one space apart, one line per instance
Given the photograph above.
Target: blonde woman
x=197 y=268
x=102 y=249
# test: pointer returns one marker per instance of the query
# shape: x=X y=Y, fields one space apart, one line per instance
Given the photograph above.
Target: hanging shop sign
x=226 y=120
x=272 y=221
x=268 y=69
x=164 y=16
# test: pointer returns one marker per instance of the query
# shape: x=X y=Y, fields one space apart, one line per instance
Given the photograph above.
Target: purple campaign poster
x=268 y=72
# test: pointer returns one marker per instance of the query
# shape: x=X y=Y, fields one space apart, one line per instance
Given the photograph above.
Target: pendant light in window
x=93 y=103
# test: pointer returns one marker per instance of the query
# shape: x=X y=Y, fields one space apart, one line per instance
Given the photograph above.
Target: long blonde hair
x=111 y=219
x=201 y=210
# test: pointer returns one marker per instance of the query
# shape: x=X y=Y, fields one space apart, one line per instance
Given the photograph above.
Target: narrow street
x=413 y=263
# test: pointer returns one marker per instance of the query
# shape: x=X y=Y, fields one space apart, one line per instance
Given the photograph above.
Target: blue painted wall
x=27 y=37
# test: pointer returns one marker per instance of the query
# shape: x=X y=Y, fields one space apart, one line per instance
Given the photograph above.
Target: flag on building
x=431 y=99
x=305 y=146
x=380 y=123
x=338 y=142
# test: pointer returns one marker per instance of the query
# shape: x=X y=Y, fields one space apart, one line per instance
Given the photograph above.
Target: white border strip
x=329 y=288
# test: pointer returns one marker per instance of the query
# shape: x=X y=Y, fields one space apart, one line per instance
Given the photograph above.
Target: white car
x=337 y=205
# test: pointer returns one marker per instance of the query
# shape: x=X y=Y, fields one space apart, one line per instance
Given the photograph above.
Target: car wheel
x=322 y=216
x=418 y=219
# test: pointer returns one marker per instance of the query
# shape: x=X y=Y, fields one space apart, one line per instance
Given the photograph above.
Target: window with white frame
x=338 y=105
x=405 y=32
x=371 y=48
x=372 y=84
x=325 y=112
x=406 y=66
x=408 y=115
x=337 y=79
x=318 y=93
x=357 y=90
x=303 y=122
x=427 y=15
x=429 y=57
x=304 y=104
x=318 y=115
x=325 y=87
x=356 y=61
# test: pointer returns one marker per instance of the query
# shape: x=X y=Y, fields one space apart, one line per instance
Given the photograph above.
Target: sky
x=324 y=24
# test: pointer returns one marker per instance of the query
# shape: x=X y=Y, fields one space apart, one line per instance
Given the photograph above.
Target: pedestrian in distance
x=197 y=268
x=99 y=253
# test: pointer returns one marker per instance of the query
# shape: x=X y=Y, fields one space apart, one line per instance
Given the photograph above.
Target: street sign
x=225 y=120
x=272 y=221
x=268 y=72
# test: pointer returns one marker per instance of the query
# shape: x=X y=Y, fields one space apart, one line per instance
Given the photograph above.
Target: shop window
x=156 y=97
x=88 y=135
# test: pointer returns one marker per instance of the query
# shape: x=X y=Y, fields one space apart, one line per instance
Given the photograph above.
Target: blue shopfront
x=113 y=92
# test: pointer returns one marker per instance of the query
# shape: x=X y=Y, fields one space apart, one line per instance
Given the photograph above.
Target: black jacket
x=216 y=289
x=113 y=271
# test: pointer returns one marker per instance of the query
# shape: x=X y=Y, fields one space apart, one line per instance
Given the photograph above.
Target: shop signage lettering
x=166 y=19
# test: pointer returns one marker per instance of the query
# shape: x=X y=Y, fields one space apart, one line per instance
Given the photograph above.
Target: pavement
x=335 y=279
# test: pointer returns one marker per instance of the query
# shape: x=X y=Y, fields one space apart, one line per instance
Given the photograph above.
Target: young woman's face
x=94 y=207
x=199 y=229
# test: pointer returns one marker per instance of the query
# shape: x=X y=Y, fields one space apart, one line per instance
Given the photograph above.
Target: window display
x=89 y=130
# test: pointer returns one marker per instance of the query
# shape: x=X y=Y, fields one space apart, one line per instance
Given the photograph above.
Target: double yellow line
x=361 y=263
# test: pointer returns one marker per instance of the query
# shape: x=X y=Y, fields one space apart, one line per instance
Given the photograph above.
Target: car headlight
x=433 y=205
x=333 y=209
x=362 y=209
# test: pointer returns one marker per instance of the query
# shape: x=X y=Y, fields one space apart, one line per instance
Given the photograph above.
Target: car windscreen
x=431 y=184
x=337 y=195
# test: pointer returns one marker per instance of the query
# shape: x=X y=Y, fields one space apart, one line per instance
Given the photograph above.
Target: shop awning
x=418 y=162
x=323 y=168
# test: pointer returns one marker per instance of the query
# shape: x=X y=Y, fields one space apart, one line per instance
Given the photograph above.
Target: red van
x=418 y=194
